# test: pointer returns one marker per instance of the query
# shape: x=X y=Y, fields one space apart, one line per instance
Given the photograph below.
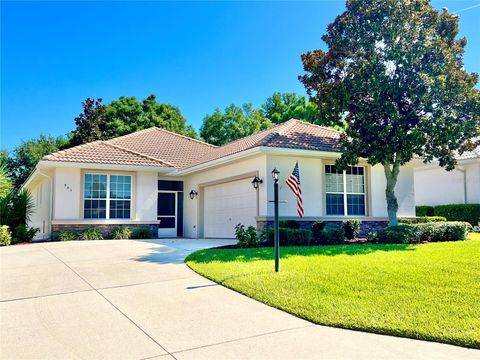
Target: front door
x=167 y=213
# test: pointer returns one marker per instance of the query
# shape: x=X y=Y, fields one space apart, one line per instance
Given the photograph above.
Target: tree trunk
x=391 y=174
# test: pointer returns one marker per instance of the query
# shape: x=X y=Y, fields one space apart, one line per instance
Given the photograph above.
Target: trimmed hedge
x=422 y=219
x=460 y=212
x=331 y=236
x=288 y=237
x=424 y=210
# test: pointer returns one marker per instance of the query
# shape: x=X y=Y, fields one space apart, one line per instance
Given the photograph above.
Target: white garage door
x=226 y=205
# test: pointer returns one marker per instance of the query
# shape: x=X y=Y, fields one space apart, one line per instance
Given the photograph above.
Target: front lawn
x=427 y=291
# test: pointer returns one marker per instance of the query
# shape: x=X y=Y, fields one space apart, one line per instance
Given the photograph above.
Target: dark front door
x=167 y=213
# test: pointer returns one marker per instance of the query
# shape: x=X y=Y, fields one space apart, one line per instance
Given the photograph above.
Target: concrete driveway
x=133 y=299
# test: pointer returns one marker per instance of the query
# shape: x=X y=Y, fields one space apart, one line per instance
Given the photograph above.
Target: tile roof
x=101 y=152
x=159 y=147
x=292 y=134
x=468 y=155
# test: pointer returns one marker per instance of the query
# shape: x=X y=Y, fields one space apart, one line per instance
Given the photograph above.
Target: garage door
x=226 y=205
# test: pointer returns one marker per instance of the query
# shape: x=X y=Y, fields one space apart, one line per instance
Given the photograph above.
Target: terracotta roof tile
x=292 y=134
x=101 y=152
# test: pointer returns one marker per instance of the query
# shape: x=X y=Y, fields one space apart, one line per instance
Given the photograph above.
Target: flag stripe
x=293 y=183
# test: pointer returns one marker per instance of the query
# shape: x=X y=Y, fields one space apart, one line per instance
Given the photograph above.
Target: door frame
x=169 y=232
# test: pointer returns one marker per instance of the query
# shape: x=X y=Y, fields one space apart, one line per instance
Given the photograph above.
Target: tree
x=124 y=116
x=29 y=153
x=281 y=107
x=394 y=72
x=234 y=123
x=91 y=124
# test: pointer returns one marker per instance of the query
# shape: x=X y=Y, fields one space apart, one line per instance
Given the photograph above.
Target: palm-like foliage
x=5 y=181
x=16 y=208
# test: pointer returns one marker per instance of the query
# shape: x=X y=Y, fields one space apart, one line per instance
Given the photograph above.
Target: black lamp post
x=256 y=182
x=275 y=173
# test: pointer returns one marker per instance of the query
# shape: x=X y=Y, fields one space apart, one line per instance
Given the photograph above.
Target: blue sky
x=196 y=55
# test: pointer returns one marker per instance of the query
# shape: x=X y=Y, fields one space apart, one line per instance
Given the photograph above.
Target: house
x=436 y=186
x=183 y=187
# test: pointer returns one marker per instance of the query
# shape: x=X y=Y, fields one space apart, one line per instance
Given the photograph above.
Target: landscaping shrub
x=246 y=238
x=288 y=237
x=317 y=229
x=67 y=236
x=421 y=219
x=24 y=234
x=120 y=233
x=444 y=231
x=332 y=236
x=289 y=224
x=424 y=210
x=91 y=234
x=5 y=236
x=142 y=232
x=460 y=212
x=401 y=234
x=351 y=228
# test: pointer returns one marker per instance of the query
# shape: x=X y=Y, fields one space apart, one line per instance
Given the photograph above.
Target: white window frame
x=345 y=193
x=107 y=199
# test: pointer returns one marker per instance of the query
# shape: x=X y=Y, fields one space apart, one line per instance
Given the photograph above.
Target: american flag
x=293 y=183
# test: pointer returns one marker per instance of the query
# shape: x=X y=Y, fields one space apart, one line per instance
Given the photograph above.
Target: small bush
x=246 y=238
x=351 y=228
x=120 y=233
x=332 y=236
x=317 y=229
x=401 y=234
x=91 y=234
x=289 y=224
x=444 y=231
x=142 y=232
x=24 y=234
x=67 y=236
x=5 y=236
x=424 y=210
x=288 y=237
x=460 y=212
x=421 y=219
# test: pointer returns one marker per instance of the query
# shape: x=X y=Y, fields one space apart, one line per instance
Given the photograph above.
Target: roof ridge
x=132 y=133
x=137 y=153
x=316 y=125
x=73 y=147
x=185 y=136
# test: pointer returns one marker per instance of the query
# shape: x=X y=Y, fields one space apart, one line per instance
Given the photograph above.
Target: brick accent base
x=105 y=229
x=366 y=226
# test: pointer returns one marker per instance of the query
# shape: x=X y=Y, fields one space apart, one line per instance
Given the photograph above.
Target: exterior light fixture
x=192 y=194
x=275 y=173
x=256 y=182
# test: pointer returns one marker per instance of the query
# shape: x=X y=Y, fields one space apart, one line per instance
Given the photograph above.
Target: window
x=345 y=191
x=98 y=203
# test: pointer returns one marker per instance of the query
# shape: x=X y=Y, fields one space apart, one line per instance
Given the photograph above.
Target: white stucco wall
x=436 y=186
x=146 y=196
x=404 y=191
x=193 y=208
x=67 y=184
x=41 y=196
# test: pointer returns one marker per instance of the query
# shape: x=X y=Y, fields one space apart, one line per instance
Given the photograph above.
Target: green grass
x=427 y=291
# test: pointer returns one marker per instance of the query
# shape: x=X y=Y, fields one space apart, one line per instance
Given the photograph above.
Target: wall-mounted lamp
x=192 y=194
x=256 y=182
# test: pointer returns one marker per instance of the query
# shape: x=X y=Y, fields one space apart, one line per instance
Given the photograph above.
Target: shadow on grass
x=266 y=253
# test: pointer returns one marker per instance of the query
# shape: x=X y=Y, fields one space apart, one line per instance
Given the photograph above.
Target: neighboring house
x=148 y=178
x=436 y=186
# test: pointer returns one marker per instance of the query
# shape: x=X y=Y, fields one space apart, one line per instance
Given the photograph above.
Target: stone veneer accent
x=104 y=228
x=366 y=226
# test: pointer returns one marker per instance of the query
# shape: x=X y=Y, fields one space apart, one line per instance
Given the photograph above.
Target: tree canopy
x=232 y=124
x=394 y=72
x=281 y=107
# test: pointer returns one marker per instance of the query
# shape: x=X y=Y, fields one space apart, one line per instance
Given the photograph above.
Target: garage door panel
x=226 y=205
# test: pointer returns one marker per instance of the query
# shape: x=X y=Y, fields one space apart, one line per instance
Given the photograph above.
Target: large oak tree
x=394 y=72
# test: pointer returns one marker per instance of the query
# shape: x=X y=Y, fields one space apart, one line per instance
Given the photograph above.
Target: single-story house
x=183 y=187
x=436 y=186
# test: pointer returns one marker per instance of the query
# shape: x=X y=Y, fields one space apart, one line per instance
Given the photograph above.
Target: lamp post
x=275 y=173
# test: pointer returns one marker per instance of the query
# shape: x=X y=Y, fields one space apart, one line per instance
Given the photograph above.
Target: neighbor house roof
x=292 y=134
x=468 y=155
x=158 y=147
